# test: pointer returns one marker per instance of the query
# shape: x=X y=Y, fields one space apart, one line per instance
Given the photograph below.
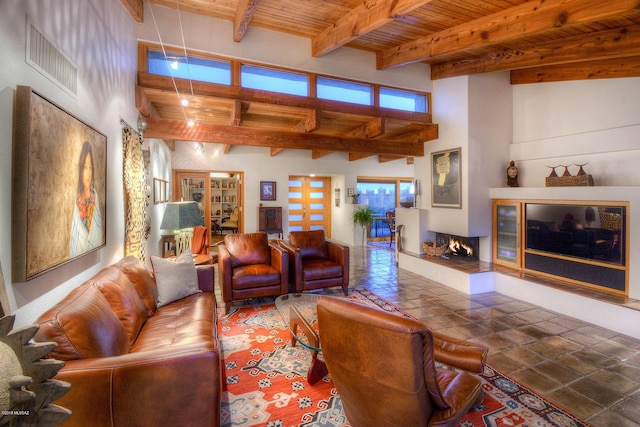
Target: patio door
x=310 y=204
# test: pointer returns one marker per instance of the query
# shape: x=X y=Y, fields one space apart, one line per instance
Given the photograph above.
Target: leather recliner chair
x=315 y=262
x=250 y=267
x=383 y=366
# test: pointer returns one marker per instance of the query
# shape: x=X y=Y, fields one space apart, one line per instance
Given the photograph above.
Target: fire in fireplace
x=463 y=247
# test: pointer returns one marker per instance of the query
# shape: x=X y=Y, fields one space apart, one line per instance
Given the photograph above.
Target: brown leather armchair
x=250 y=267
x=316 y=262
x=383 y=366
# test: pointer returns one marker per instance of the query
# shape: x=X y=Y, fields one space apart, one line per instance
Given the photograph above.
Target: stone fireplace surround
x=622 y=318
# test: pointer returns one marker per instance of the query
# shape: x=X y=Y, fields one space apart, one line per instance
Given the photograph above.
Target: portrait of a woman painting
x=86 y=228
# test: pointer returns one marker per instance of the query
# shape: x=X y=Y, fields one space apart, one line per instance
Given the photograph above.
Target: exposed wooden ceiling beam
x=363 y=19
x=316 y=154
x=244 y=13
x=226 y=148
x=603 y=69
x=252 y=95
x=223 y=134
x=135 y=9
x=530 y=18
x=275 y=151
x=236 y=113
x=358 y=156
x=309 y=124
x=170 y=143
x=369 y=130
x=386 y=158
x=621 y=42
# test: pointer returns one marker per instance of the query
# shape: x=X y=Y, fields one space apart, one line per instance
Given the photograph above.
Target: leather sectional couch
x=130 y=362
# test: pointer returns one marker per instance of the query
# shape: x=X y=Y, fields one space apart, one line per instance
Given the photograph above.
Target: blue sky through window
x=198 y=69
x=274 y=80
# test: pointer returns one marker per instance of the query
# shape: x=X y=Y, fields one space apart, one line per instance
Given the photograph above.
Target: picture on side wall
x=59 y=186
x=446 y=179
x=267 y=190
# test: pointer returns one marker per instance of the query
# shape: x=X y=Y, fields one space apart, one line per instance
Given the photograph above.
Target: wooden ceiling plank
x=589 y=70
x=620 y=42
x=244 y=13
x=253 y=95
x=223 y=134
x=530 y=18
x=135 y=9
x=363 y=19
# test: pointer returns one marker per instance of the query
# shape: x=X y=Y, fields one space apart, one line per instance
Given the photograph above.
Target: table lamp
x=181 y=217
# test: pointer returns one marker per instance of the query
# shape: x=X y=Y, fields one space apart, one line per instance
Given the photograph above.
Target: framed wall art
x=59 y=186
x=446 y=179
x=267 y=190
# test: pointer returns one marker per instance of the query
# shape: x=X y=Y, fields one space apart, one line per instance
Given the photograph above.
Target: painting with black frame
x=59 y=186
x=446 y=179
x=267 y=190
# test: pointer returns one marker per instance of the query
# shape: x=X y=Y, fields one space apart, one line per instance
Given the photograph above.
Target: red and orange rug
x=265 y=380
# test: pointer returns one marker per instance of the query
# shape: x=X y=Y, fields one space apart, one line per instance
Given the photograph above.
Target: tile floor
x=590 y=371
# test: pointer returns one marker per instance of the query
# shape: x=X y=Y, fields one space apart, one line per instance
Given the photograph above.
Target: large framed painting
x=446 y=179
x=59 y=186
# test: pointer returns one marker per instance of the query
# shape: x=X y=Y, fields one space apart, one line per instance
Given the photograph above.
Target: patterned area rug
x=265 y=379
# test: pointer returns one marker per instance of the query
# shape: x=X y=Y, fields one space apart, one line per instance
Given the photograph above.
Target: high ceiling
x=537 y=40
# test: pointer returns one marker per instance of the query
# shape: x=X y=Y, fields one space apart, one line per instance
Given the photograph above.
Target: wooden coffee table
x=299 y=313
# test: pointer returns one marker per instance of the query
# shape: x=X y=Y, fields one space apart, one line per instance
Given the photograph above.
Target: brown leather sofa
x=250 y=267
x=383 y=366
x=316 y=262
x=131 y=363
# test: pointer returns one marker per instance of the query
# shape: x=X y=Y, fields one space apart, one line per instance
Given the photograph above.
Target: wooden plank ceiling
x=536 y=40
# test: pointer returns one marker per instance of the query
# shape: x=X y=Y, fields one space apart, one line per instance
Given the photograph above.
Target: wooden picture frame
x=267 y=190
x=59 y=186
x=446 y=179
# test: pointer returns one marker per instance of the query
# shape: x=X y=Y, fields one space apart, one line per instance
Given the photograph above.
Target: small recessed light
x=174 y=65
x=190 y=123
x=184 y=102
x=312 y=175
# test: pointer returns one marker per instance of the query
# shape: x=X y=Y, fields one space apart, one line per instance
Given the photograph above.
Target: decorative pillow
x=175 y=279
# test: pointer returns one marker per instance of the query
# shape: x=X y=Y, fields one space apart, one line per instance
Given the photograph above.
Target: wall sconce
x=142 y=124
x=337 y=196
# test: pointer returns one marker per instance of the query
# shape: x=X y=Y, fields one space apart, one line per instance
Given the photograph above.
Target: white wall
x=98 y=37
x=258 y=165
x=475 y=114
x=595 y=122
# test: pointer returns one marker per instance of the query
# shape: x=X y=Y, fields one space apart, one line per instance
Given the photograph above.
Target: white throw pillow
x=176 y=278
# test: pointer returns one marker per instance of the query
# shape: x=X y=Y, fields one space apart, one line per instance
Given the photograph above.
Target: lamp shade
x=179 y=215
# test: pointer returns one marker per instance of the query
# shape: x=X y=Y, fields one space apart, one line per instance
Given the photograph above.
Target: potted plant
x=363 y=216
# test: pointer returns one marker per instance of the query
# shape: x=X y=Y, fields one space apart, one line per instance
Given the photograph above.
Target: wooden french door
x=310 y=204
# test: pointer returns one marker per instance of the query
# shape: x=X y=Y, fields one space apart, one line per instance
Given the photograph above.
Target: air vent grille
x=49 y=60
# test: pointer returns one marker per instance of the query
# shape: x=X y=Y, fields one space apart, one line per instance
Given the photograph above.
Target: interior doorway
x=309 y=204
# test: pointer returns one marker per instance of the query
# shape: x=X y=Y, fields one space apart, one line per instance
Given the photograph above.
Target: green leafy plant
x=363 y=216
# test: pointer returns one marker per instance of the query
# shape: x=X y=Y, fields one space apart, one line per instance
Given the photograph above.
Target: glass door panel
x=309 y=204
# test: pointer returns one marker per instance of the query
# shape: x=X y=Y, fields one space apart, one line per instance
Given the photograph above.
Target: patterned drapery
x=136 y=193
